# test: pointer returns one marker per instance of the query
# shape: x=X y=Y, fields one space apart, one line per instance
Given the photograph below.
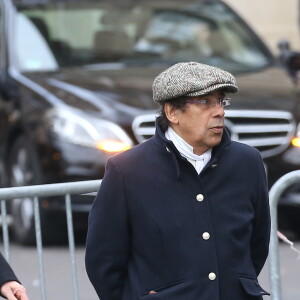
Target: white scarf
x=186 y=150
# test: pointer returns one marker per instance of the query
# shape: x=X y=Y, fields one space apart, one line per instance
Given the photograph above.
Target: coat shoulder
x=243 y=149
x=243 y=154
x=137 y=154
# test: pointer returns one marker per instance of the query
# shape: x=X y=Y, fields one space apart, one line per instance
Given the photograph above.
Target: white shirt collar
x=186 y=150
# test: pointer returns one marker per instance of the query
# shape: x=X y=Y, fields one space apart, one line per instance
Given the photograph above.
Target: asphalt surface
x=289 y=273
x=59 y=285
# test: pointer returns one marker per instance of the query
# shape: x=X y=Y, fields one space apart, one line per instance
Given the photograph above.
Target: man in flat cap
x=183 y=216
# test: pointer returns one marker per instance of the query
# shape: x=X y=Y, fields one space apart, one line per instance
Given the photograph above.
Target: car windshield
x=90 y=34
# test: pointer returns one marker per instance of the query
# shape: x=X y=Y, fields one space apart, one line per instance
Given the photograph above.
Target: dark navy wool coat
x=158 y=230
x=6 y=273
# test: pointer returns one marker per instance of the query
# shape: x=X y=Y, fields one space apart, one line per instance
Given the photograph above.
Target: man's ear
x=171 y=113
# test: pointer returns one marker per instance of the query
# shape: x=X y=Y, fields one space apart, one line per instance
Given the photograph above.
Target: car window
x=32 y=51
x=86 y=33
x=184 y=36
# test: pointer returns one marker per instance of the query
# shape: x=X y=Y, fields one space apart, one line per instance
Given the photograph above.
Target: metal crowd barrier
x=275 y=194
x=84 y=187
x=47 y=190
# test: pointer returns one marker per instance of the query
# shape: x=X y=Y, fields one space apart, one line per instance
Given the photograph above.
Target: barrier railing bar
x=274 y=266
x=54 y=189
x=39 y=245
x=71 y=245
x=5 y=230
x=47 y=190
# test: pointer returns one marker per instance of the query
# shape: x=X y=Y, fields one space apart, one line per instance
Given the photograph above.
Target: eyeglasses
x=211 y=103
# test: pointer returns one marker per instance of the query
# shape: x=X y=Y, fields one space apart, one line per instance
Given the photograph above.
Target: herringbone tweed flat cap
x=191 y=79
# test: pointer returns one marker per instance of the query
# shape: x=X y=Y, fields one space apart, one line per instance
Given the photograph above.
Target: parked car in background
x=75 y=89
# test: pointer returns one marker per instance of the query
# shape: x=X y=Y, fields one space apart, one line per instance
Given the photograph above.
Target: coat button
x=206 y=235
x=168 y=150
x=200 y=197
x=214 y=165
x=212 y=276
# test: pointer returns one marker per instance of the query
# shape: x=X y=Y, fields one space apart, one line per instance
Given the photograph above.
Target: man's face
x=201 y=123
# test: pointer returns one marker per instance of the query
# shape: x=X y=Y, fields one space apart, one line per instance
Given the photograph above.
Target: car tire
x=23 y=169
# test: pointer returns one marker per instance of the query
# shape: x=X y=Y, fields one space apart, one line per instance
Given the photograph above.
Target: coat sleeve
x=262 y=224
x=6 y=272
x=107 y=249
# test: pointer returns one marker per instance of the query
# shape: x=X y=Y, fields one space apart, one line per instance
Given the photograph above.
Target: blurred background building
x=272 y=20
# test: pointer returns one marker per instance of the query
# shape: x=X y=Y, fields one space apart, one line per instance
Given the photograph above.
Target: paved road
x=59 y=283
x=57 y=267
x=290 y=273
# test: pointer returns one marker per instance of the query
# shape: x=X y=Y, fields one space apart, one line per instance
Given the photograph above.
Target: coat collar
x=176 y=156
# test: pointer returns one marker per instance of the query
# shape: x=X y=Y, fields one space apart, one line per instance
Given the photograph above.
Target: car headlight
x=88 y=131
x=296 y=139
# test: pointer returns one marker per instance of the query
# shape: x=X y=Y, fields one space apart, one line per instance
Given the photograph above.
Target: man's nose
x=219 y=109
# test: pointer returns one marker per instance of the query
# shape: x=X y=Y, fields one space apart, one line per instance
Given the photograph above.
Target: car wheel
x=23 y=169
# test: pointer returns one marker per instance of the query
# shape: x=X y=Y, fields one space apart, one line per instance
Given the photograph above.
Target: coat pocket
x=163 y=287
x=252 y=287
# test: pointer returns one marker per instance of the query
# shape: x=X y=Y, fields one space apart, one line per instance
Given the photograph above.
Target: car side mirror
x=290 y=59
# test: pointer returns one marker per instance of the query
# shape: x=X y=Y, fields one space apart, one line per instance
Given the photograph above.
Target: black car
x=75 y=88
